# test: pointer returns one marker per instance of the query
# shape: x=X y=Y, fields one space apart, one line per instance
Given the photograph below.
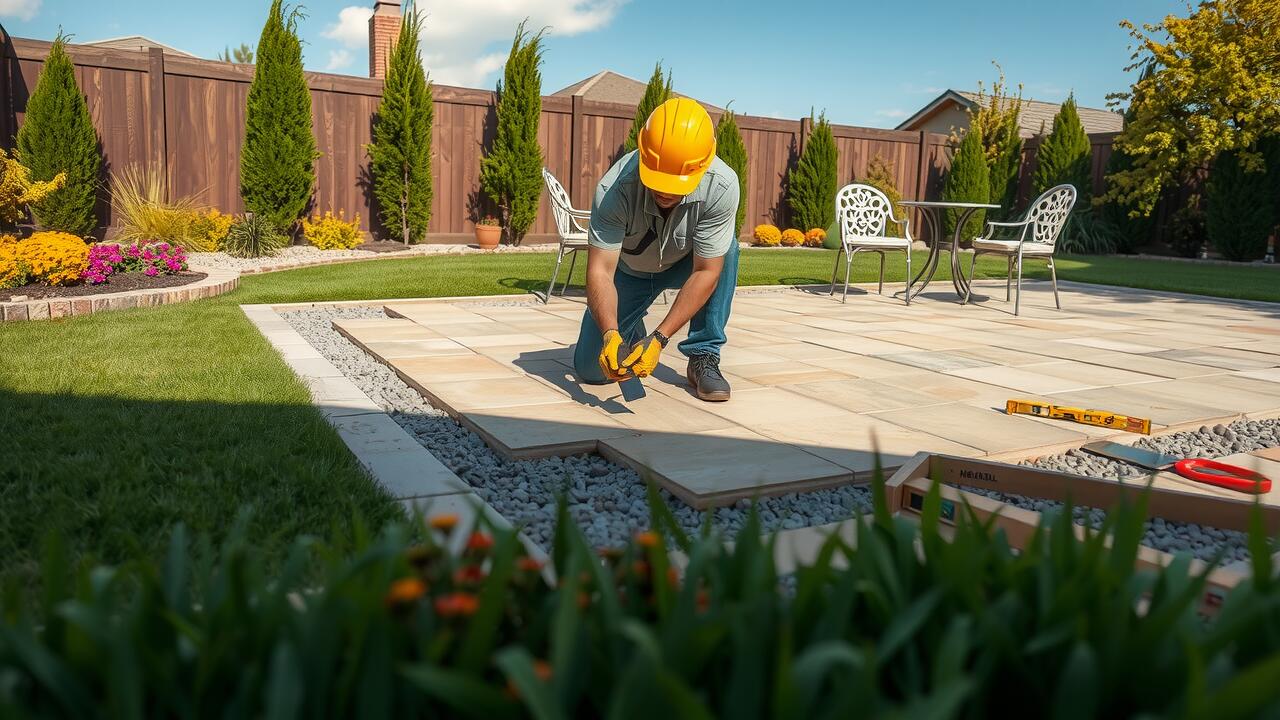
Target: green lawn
x=117 y=426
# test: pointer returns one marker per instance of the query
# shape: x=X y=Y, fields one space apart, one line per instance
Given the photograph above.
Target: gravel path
x=606 y=499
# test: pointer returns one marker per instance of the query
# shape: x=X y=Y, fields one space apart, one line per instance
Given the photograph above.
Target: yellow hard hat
x=677 y=144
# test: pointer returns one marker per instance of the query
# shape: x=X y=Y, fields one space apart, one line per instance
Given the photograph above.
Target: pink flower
x=151 y=271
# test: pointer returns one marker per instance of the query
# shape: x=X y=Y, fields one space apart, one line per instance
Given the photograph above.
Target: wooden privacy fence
x=186 y=116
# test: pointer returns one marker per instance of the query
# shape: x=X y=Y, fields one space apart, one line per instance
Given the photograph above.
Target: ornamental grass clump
x=144 y=213
x=452 y=619
x=332 y=232
x=254 y=236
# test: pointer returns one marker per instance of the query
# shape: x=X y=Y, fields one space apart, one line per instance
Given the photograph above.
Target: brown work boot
x=705 y=378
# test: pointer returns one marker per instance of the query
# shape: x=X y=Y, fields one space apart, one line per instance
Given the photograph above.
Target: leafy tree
x=731 y=149
x=1215 y=87
x=811 y=186
x=1132 y=231
x=996 y=119
x=400 y=154
x=242 y=55
x=968 y=180
x=1065 y=156
x=277 y=162
x=56 y=137
x=1240 y=209
x=656 y=92
x=880 y=176
x=511 y=174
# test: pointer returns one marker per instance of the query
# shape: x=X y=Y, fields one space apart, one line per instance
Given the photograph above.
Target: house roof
x=1035 y=116
x=137 y=42
x=609 y=86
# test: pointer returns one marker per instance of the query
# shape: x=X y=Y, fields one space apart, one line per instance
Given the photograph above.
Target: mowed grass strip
x=118 y=426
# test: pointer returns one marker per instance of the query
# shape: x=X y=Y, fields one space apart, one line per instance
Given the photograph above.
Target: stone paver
x=818 y=385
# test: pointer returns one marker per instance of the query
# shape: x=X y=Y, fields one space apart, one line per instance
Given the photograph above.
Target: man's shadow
x=546 y=364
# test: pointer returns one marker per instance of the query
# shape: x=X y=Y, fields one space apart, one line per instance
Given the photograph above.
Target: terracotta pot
x=488 y=236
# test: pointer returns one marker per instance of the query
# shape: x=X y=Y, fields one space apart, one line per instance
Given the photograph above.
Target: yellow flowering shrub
x=17 y=190
x=814 y=237
x=56 y=258
x=792 y=237
x=767 y=235
x=332 y=232
x=13 y=269
x=208 y=229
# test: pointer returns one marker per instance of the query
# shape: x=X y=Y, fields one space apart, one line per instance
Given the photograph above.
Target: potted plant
x=488 y=232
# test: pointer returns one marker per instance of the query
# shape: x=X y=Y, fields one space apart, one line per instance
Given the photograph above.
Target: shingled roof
x=609 y=86
x=1036 y=115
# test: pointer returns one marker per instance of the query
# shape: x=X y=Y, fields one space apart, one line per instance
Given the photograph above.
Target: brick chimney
x=384 y=28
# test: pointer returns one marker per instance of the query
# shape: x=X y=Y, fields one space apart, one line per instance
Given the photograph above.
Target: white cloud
x=338 y=59
x=21 y=9
x=352 y=28
x=892 y=114
x=465 y=43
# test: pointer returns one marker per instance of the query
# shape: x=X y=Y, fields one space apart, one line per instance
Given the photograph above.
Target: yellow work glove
x=643 y=358
x=609 y=363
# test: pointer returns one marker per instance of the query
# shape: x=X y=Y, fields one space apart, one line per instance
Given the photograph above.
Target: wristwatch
x=662 y=339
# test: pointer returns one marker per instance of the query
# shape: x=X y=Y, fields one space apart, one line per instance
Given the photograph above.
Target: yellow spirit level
x=1101 y=418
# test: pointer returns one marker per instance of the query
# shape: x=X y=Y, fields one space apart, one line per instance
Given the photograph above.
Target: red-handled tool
x=1231 y=477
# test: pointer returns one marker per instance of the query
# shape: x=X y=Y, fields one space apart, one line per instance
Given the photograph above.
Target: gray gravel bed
x=606 y=499
x=1202 y=541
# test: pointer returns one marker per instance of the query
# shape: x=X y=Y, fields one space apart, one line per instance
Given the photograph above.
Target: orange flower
x=456 y=604
x=468 y=575
x=479 y=541
x=673 y=577
x=640 y=567
x=529 y=564
x=405 y=591
x=444 y=523
x=647 y=539
x=541 y=670
x=703 y=600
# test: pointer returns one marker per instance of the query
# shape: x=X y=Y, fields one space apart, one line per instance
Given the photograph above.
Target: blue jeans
x=636 y=294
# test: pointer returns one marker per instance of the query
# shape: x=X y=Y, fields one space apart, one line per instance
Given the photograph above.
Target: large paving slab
x=820 y=386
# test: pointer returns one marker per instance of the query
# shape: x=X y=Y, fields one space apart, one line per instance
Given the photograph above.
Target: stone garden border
x=217 y=283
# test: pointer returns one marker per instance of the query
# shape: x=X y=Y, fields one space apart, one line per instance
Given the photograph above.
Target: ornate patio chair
x=1040 y=228
x=573 y=235
x=863 y=214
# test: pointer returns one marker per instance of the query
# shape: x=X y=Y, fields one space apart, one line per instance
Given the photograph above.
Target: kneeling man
x=663 y=217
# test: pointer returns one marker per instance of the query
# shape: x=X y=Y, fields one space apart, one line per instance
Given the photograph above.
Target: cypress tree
x=880 y=177
x=277 y=161
x=400 y=154
x=511 y=174
x=1065 y=155
x=1006 y=165
x=811 y=186
x=1240 y=211
x=968 y=180
x=656 y=92
x=57 y=136
x=731 y=149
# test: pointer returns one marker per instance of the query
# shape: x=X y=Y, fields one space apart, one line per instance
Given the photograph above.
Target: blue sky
x=865 y=63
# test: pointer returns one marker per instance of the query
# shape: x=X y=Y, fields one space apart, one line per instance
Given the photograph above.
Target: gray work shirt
x=625 y=217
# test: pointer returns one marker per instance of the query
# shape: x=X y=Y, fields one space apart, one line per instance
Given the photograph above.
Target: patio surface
x=818 y=385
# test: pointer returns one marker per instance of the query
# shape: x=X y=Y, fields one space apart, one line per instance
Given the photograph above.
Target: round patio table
x=932 y=212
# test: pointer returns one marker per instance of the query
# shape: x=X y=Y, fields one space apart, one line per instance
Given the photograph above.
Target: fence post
x=157 y=139
x=576 y=131
x=922 y=171
x=806 y=129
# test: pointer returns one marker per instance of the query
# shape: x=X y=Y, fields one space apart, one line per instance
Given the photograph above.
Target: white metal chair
x=573 y=236
x=1040 y=228
x=863 y=214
